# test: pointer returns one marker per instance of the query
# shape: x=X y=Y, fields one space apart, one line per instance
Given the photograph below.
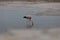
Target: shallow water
x=11 y=17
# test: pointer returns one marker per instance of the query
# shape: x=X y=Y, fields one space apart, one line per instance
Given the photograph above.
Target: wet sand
x=32 y=34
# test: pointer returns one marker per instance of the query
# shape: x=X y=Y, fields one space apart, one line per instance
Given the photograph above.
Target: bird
x=29 y=17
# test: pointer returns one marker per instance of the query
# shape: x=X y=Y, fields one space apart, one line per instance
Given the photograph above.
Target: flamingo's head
x=27 y=17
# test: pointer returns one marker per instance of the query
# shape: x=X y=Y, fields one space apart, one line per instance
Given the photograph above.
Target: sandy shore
x=32 y=34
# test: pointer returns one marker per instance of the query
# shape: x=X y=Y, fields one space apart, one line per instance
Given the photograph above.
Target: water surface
x=12 y=17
